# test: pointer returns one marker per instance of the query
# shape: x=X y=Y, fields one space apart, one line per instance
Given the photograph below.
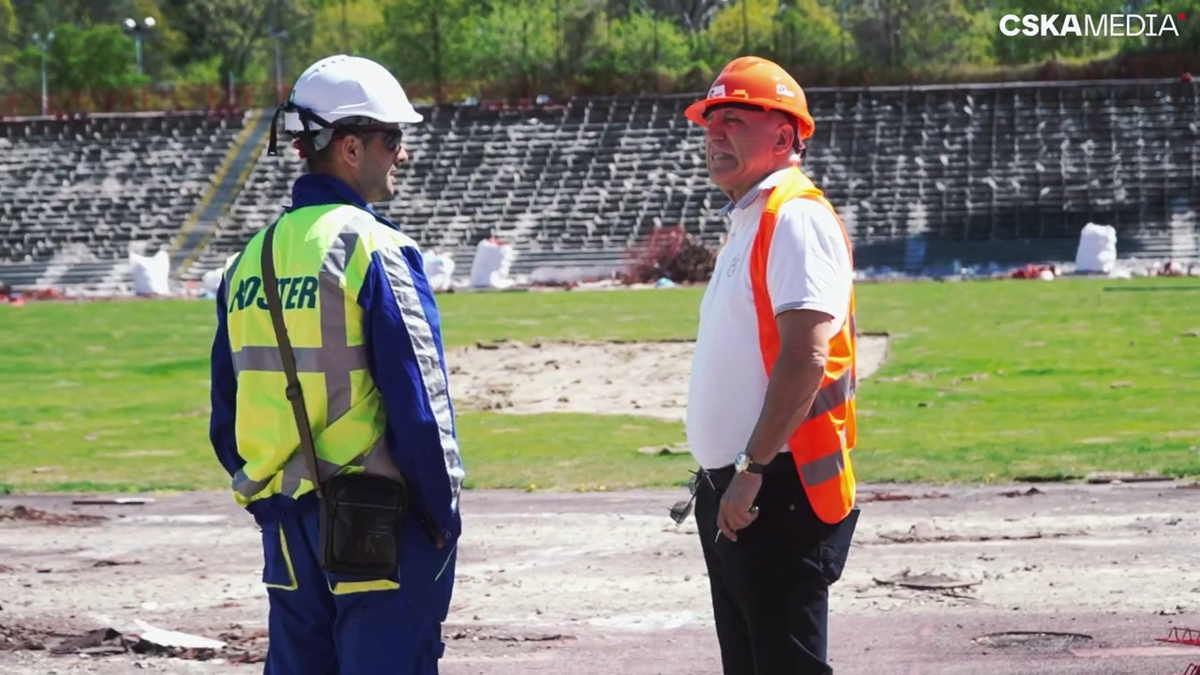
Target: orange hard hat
x=756 y=81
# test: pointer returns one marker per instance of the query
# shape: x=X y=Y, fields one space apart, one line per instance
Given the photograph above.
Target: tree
x=526 y=41
x=225 y=31
x=94 y=62
x=898 y=35
x=745 y=27
x=809 y=34
x=8 y=37
x=427 y=41
x=637 y=45
x=691 y=15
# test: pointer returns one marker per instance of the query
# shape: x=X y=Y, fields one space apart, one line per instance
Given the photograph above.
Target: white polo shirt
x=808 y=268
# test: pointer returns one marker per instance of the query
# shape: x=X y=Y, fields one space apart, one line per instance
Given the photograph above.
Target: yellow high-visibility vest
x=322 y=254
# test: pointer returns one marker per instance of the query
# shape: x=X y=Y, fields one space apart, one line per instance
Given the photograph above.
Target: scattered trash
x=1042 y=272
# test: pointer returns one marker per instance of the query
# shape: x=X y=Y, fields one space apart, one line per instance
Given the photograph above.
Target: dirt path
x=636 y=378
x=597 y=583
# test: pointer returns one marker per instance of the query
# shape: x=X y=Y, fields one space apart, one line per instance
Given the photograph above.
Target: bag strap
x=293 y=391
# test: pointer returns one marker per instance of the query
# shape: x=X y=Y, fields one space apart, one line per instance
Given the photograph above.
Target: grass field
x=985 y=381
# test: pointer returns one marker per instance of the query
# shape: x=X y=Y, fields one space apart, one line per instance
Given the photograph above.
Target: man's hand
x=735 y=512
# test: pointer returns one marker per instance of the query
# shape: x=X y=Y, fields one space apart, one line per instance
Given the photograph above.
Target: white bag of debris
x=492 y=262
x=151 y=275
x=439 y=269
x=211 y=281
x=1097 y=253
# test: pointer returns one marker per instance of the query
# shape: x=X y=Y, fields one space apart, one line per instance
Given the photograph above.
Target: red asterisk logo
x=1181 y=17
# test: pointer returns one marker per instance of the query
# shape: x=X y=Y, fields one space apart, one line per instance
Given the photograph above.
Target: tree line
x=452 y=49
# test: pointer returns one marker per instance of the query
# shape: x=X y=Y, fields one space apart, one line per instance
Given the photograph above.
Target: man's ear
x=352 y=150
x=786 y=139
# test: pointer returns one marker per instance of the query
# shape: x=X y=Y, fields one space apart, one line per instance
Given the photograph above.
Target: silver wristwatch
x=743 y=464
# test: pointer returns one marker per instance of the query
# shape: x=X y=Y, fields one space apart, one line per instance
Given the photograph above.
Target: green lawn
x=985 y=381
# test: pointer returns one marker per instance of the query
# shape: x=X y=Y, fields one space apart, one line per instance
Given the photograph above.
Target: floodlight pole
x=44 y=45
x=137 y=30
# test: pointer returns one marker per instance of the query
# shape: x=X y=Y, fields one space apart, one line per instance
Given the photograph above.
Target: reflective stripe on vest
x=283 y=470
x=822 y=443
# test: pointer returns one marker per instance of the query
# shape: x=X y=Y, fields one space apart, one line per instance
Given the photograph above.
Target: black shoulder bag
x=361 y=514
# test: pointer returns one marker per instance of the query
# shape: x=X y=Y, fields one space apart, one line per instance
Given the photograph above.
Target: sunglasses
x=682 y=509
x=392 y=138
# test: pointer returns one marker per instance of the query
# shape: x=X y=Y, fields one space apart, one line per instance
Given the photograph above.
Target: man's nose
x=401 y=156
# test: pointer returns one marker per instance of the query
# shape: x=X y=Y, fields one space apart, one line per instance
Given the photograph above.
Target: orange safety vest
x=822 y=443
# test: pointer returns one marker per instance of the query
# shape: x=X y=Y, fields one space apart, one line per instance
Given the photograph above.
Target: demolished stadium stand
x=1004 y=173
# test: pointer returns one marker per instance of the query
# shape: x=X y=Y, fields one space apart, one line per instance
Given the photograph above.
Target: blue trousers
x=327 y=624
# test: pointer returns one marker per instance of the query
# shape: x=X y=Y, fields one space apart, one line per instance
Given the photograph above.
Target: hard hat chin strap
x=305 y=139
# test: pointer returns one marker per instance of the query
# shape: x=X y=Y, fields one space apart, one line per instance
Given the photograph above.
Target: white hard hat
x=342 y=86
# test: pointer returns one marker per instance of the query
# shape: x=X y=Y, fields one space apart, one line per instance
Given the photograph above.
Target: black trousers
x=770 y=588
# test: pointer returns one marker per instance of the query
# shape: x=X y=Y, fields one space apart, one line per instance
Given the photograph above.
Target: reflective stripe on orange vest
x=822 y=443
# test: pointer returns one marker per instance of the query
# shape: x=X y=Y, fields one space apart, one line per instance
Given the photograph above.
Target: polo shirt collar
x=747 y=199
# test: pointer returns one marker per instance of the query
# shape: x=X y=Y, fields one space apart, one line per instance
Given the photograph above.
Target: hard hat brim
x=291 y=121
x=696 y=111
x=412 y=117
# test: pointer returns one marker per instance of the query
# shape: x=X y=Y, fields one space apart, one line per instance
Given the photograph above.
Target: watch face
x=741 y=462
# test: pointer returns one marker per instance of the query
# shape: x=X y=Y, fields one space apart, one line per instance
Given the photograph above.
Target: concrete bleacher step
x=918 y=173
x=102 y=184
x=225 y=186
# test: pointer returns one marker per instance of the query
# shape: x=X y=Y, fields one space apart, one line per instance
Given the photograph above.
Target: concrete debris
x=115 y=563
x=235 y=646
x=1101 y=478
x=1022 y=493
x=169 y=638
x=113 y=501
x=928 y=581
x=479 y=634
x=675 y=449
x=926 y=532
x=20 y=512
x=895 y=497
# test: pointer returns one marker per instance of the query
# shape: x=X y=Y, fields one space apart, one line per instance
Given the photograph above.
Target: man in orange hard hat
x=771 y=412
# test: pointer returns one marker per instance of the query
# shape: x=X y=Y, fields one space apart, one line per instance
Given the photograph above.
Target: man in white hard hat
x=331 y=411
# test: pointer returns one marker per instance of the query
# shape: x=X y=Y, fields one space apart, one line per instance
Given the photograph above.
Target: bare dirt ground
x=635 y=378
x=596 y=583
x=602 y=583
